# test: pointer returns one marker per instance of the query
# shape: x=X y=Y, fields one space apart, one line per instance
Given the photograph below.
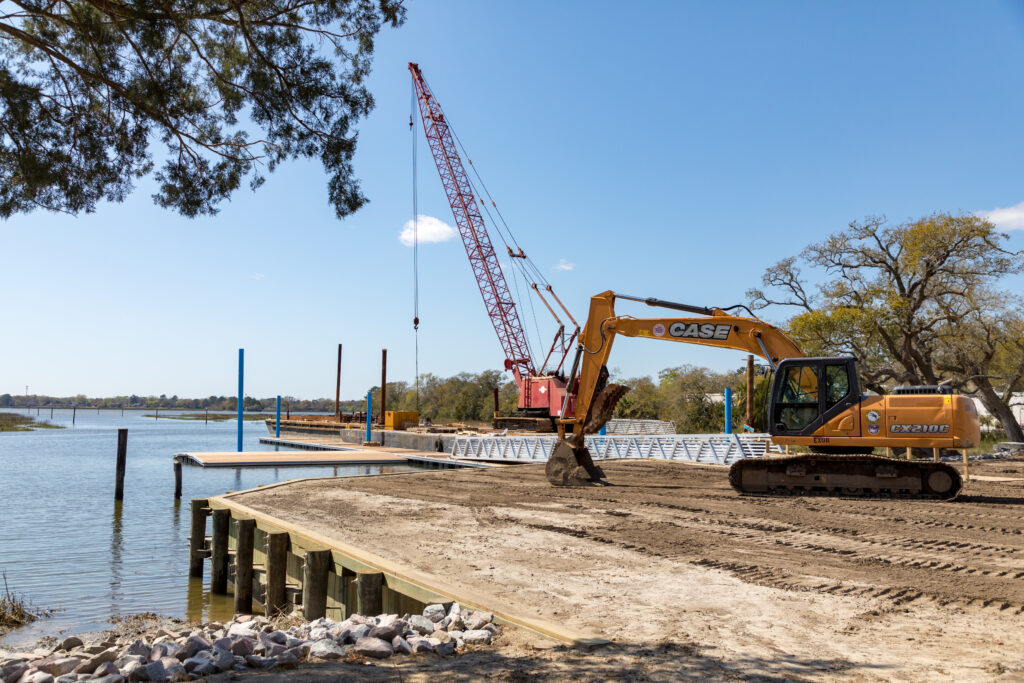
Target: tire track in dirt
x=900 y=552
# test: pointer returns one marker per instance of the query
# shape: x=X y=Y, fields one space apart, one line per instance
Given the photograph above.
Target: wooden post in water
x=243 y=566
x=122 y=457
x=219 y=552
x=177 y=479
x=314 y=584
x=51 y=412
x=337 y=389
x=277 y=569
x=369 y=593
x=197 y=538
x=74 y=413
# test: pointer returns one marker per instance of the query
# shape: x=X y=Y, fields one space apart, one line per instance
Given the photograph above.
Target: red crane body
x=535 y=392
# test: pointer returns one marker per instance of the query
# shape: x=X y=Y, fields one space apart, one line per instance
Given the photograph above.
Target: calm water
x=64 y=543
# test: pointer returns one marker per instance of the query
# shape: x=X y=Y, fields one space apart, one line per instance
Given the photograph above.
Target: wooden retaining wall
x=292 y=567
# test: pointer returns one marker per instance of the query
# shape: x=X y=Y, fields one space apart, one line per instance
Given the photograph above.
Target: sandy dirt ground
x=691 y=580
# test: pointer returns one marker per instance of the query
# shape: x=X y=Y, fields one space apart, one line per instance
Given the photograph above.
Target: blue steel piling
x=728 y=410
x=369 y=410
x=241 y=403
x=277 y=419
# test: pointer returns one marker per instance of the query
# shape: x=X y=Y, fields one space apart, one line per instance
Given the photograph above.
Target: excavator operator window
x=797 y=405
x=837 y=384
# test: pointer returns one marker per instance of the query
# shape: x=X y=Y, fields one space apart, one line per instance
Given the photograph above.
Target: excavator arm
x=570 y=463
x=715 y=327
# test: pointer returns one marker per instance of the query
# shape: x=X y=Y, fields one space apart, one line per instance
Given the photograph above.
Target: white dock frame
x=721 y=449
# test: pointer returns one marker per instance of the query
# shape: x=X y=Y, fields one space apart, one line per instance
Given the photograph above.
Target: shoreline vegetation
x=212 y=417
x=15 y=610
x=11 y=422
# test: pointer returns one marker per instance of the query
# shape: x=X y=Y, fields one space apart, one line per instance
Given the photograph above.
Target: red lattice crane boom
x=493 y=288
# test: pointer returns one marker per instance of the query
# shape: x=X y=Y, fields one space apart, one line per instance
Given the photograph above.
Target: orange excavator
x=814 y=402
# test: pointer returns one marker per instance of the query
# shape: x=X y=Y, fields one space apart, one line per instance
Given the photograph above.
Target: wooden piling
x=277 y=569
x=314 y=584
x=197 y=537
x=369 y=593
x=219 y=552
x=177 y=479
x=750 y=390
x=74 y=413
x=383 y=386
x=243 y=566
x=337 y=390
x=122 y=458
x=935 y=454
x=967 y=476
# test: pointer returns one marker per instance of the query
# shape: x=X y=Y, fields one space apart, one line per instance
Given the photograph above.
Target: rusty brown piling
x=243 y=566
x=337 y=389
x=750 y=390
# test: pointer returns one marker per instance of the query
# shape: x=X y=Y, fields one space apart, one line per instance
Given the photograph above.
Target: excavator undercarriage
x=855 y=475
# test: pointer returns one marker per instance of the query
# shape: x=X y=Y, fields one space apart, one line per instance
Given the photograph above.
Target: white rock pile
x=251 y=643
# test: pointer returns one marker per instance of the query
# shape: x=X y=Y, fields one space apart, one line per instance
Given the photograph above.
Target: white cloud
x=1010 y=218
x=564 y=265
x=429 y=229
x=257 y=276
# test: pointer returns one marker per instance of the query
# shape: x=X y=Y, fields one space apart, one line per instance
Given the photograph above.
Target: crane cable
x=536 y=271
x=415 y=248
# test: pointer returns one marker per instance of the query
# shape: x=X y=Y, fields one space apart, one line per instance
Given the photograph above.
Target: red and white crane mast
x=489 y=277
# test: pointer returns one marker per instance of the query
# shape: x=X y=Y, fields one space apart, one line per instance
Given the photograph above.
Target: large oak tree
x=226 y=89
x=915 y=303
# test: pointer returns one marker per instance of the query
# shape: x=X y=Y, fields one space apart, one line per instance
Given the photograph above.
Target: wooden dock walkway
x=320 y=442
x=290 y=458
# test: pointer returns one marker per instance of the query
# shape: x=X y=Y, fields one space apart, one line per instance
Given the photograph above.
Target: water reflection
x=116 y=562
x=202 y=605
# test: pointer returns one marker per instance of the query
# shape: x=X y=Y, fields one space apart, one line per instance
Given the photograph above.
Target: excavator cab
x=808 y=392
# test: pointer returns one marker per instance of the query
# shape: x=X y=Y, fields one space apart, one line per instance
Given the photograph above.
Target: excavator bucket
x=570 y=466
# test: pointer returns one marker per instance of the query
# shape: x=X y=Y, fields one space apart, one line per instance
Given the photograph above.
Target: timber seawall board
x=400 y=588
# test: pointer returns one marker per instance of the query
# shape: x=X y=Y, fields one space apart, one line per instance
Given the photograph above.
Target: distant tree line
x=175 y=403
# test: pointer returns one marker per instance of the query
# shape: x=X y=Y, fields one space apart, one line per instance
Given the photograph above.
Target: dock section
x=289 y=458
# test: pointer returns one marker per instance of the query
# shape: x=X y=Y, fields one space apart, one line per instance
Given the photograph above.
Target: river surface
x=65 y=544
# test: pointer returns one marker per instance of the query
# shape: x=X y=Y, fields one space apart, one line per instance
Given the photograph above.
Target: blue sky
x=673 y=150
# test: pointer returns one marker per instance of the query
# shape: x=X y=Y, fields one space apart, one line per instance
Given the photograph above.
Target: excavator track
x=864 y=476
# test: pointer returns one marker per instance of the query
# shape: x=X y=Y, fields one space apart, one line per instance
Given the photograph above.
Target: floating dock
x=346 y=456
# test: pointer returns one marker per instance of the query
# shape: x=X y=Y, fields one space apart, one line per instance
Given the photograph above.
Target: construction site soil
x=690 y=579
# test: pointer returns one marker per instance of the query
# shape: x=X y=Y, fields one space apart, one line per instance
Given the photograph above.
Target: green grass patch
x=13 y=422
